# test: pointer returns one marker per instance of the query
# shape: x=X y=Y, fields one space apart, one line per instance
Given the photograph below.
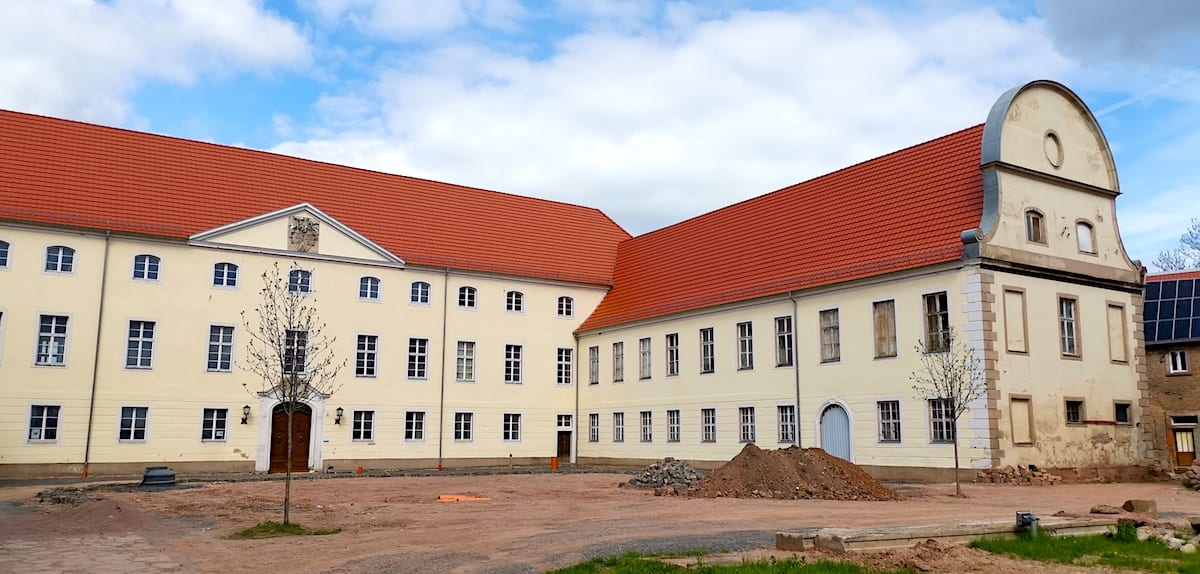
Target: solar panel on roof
x=1172 y=310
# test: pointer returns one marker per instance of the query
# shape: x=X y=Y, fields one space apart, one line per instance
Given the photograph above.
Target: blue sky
x=651 y=111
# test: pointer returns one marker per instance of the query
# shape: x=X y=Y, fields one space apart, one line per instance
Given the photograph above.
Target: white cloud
x=1152 y=222
x=409 y=19
x=83 y=59
x=656 y=127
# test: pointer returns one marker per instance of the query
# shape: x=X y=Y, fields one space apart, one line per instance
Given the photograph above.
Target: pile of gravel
x=667 y=472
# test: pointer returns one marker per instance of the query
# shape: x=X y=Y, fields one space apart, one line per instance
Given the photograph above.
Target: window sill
x=1023 y=444
x=129 y=368
x=58 y=365
x=888 y=442
x=512 y=382
x=1075 y=424
x=831 y=361
x=213 y=441
x=891 y=356
x=741 y=369
x=42 y=441
x=1071 y=357
x=709 y=441
x=785 y=366
x=1179 y=373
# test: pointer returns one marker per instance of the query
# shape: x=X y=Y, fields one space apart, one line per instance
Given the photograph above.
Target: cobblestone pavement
x=107 y=553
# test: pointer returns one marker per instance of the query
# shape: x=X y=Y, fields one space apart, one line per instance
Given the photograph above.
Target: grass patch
x=636 y=564
x=1120 y=551
x=271 y=529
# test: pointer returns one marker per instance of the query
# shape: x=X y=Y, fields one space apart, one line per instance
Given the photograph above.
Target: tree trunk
x=287 y=479
x=957 y=486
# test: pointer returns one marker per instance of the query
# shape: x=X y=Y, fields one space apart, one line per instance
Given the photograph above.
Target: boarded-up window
x=885 y=328
x=1116 y=333
x=1019 y=412
x=1014 y=321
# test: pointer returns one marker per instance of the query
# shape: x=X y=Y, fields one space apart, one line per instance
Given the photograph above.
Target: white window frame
x=464 y=426
x=362 y=426
x=53 y=336
x=510 y=427
x=468 y=297
x=645 y=364
x=593 y=427
x=745 y=345
x=619 y=362
x=144 y=345
x=133 y=423
x=785 y=342
x=464 y=361
x=1177 y=362
x=5 y=251
x=674 y=425
x=222 y=349
x=618 y=426
x=300 y=281
x=886 y=424
x=221 y=271
x=565 y=367
x=1085 y=241
x=151 y=263
x=1068 y=327
x=672 y=345
x=785 y=416
x=366 y=356
x=513 y=360
x=830 y=323
x=594 y=365
x=514 y=301
x=219 y=415
x=935 y=322
x=370 y=288
x=708 y=425
x=295 y=352
x=708 y=350
x=941 y=421
x=61 y=254
x=42 y=424
x=747 y=425
x=418 y=359
x=566 y=306
x=647 y=426
x=1035 y=233
x=414 y=426
x=419 y=293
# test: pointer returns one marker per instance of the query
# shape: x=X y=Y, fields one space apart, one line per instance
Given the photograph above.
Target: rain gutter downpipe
x=87 y=444
x=442 y=396
x=796 y=361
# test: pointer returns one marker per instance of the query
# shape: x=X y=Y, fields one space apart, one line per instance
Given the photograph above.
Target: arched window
x=1083 y=233
x=420 y=292
x=60 y=259
x=1035 y=230
x=466 y=297
x=146 y=267
x=368 y=288
x=300 y=281
x=566 y=307
x=3 y=254
x=514 y=301
x=225 y=275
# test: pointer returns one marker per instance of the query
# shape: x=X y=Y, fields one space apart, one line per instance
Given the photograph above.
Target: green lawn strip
x=636 y=564
x=1149 y=556
x=271 y=529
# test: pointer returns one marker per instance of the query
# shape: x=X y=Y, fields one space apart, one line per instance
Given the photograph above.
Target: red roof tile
x=903 y=210
x=70 y=173
x=1169 y=275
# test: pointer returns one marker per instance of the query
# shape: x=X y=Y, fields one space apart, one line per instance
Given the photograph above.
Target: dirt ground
x=533 y=523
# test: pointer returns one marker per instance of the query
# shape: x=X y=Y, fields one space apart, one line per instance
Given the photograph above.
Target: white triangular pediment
x=301 y=229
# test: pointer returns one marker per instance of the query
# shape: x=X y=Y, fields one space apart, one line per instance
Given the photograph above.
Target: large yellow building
x=482 y=328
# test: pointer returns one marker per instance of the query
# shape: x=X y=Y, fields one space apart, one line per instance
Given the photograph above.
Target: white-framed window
x=565 y=366
x=4 y=247
x=566 y=307
x=594 y=365
x=1122 y=412
x=52 y=340
x=60 y=259
x=139 y=350
x=368 y=288
x=514 y=301
x=225 y=275
x=220 y=349
x=512 y=364
x=786 y=415
x=1074 y=411
x=295 y=352
x=594 y=427
x=672 y=354
x=464 y=362
x=644 y=363
x=366 y=355
x=464 y=427
x=745 y=335
x=133 y=424
x=213 y=424
x=300 y=281
x=1034 y=226
x=418 y=358
x=673 y=426
x=467 y=297
x=708 y=425
x=618 y=427
x=884 y=315
x=647 y=418
x=1177 y=362
x=941 y=420
x=708 y=355
x=784 y=342
x=414 y=425
x=889 y=420
x=937 y=322
x=362 y=426
x=618 y=361
x=420 y=293
x=511 y=431
x=1084 y=233
x=564 y=422
x=746 y=432
x=1068 y=336
x=831 y=337
x=43 y=423
x=145 y=267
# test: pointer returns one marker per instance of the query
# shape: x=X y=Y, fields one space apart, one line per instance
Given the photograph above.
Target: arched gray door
x=835 y=431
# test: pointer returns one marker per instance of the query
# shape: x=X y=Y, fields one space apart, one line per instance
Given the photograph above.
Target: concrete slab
x=880 y=538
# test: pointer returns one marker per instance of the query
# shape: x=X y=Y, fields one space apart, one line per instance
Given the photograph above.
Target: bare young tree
x=950 y=378
x=1187 y=255
x=290 y=351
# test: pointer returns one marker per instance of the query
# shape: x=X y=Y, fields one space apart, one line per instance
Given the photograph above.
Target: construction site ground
x=532 y=523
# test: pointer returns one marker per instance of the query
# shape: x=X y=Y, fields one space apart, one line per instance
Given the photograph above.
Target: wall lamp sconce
x=245 y=413
x=338 y=419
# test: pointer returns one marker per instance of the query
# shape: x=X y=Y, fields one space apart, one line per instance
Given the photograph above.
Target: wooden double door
x=301 y=432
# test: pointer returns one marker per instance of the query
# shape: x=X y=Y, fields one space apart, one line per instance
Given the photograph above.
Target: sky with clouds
x=651 y=111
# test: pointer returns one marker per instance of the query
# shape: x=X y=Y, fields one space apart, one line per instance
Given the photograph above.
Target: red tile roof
x=1169 y=275
x=82 y=175
x=900 y=211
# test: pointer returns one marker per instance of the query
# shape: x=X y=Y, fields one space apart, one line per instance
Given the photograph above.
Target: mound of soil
x=791 y=473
